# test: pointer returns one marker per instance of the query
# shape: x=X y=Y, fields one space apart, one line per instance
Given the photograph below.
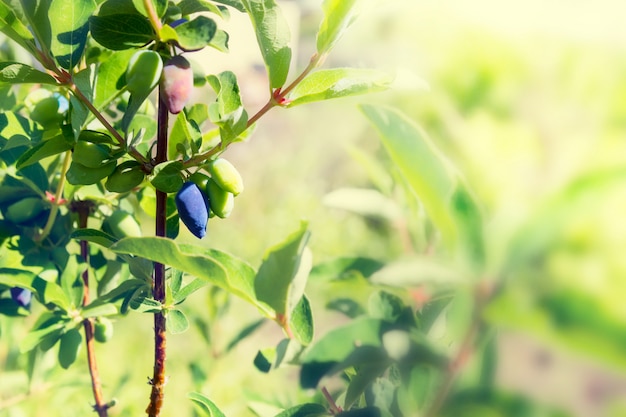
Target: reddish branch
x=158 y=289
x=83 y=209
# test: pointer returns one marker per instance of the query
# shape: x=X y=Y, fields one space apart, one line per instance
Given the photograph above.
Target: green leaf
x=98 y=310
x=160 y=6
x=326 y=84
x=39 y=333
x=188 y=7
x=183 y=137
x=339 y=268
x=243 y=333
x=432 y=177
x=205 y=406
x=416 y=271
x=71 y=280
x=177 y=322
x=282 y=276
x=184 y=292
x=237 y=4
x=69 y=28
x=364 y=377
x=301 y=322
x=273 y=36
x=79 y=174
x=304 y=410
x=338 y=15
x=37 y=13
x=17 y=73
x=385 y=306
x=110 y=77
x=121 y=31
x=53 y=146
x=337 y=350
x=364 y=202
x=51 y=293
x=227 y=111
x=215 y=267
x=94 y=236
x=13 y=28
x=69 y=348
x=167 y=176
x=195 y=34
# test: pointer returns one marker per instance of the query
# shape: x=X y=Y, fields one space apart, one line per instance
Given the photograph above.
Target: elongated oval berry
x=220 y=201
x=193 y=208
x=176 y=83
x=226 y=176
x=21 y=296
x=143 y=72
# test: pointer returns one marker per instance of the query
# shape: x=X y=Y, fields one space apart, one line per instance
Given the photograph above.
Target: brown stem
x=120 y=140
x=334 y=408
x=481 y=296
x=83 y=209
x=316 y=60
x=158 y=289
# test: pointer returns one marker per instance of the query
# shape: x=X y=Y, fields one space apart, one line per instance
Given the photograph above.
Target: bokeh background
x=528 y=100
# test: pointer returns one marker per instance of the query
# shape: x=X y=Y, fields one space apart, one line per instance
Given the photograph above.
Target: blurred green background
x=527 y=99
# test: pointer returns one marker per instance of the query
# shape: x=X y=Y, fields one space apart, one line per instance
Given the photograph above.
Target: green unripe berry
x=220 y=201
x=126 y=176
x=143 y=72
x=91 y=155
x=199 y=179
x=121 y=224
x=46 y=112
x=226 y=176
x=103 y=330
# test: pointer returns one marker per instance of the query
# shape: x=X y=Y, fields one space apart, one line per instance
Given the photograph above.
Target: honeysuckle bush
x=98 y=137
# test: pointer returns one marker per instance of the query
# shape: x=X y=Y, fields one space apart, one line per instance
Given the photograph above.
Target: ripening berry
x=176 y=83
x=193 y=208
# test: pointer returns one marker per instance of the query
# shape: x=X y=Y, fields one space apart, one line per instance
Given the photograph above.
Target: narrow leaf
x=69 y=348
x=16 y=73
x=338 y=15
x=53 y=146
x=280 y=280
x=94 y=236
x=13 y=28
x=326 y=84
x=273 y=36
x=205 y=405
x=435 y=181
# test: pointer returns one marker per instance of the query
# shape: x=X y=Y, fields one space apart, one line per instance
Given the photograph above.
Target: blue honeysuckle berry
x=193 y=208
x=21 y=296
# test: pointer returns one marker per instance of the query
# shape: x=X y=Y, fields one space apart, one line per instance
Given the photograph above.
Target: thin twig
x=83 y=209
x=57 y=199
x=482 y=295
x=334 y=408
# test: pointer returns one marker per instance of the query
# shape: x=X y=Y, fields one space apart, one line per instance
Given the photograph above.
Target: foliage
x=90 y=166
